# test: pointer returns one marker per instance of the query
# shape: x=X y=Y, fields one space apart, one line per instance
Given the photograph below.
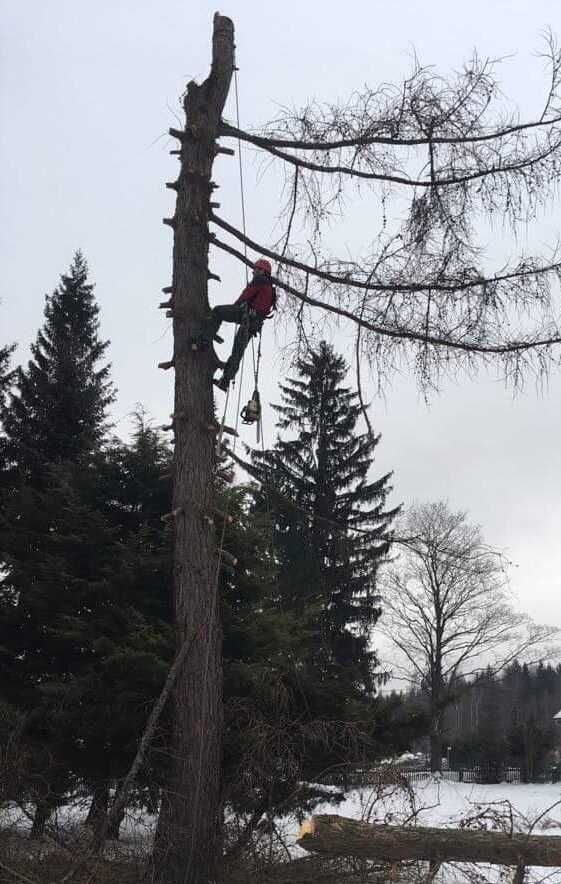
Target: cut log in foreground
x=334 y=835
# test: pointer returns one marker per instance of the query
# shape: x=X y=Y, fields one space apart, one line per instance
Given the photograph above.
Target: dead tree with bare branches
x=445 y=155
x=432 y=286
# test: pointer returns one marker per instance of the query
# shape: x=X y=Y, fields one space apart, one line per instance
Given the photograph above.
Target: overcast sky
x=88 y=91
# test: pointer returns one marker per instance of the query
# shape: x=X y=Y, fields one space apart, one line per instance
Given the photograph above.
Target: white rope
x=240 y=165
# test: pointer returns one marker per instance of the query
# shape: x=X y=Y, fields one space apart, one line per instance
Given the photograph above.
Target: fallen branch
x=120 y=800
x=334 y=835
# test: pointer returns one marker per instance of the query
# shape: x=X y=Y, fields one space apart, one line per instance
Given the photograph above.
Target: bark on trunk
x=114 y=825
x=435 y=752
x=188 y=839
x=436 y=741
x=99 y=804
x=338 y=836
x=43 y=810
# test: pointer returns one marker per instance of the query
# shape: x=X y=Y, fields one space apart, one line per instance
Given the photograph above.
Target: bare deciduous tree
x=447 y=610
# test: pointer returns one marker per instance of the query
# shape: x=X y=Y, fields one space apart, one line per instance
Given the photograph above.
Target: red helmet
x=264 y=265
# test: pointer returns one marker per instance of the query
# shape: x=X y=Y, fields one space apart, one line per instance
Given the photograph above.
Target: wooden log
x=333 y=835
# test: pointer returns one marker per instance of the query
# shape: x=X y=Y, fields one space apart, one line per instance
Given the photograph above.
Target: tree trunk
x=99 y=804
x=114 y=826
x=188 y=838
x=337 y=836
x=436 y=742
x=43 y=810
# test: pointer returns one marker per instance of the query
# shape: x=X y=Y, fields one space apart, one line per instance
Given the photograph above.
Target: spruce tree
x=54 y=545
x=331 y=528
x=6 y=377
x=5 y=373
x=57 y=410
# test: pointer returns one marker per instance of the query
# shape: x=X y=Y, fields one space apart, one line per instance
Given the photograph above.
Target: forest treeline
x=85 y=593
x=86 y=618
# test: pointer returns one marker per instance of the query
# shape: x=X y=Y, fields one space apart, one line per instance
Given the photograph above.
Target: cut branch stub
x=168 y=517
x=225 y=151
x=216 y=428
x=228 y=558
x=180 y=134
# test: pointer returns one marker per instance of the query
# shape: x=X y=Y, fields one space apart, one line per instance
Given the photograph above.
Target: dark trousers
x=249 y=325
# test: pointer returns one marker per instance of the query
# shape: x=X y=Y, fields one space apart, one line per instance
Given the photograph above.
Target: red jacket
x=258 y=295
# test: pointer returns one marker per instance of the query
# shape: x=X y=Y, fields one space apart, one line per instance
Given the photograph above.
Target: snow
x=433 y=802
x=447 y=804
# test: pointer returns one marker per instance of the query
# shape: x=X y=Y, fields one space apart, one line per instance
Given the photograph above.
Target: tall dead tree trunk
x=188 y=839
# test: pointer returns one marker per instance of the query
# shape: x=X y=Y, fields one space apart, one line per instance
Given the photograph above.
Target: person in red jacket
x=254 y=305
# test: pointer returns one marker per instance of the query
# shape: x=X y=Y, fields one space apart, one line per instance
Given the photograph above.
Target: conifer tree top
x=58 y=408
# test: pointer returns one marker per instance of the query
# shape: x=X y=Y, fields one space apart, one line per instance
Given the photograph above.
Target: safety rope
x=222 y=423
x=256 y=363
x=240 y=166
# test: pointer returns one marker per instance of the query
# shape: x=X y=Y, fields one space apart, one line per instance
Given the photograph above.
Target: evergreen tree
x=330 y=526
x=57 y=411
x=54 y=544
x=5 y=373
x=6 y=377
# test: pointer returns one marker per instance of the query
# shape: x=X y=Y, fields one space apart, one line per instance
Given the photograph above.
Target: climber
x=255 y=304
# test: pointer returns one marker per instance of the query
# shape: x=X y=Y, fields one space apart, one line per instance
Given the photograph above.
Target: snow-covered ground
x=447 y=803
x=522 y=807
x=431 y=803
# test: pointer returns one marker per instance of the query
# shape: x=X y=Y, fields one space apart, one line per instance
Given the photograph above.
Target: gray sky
x=88 y=91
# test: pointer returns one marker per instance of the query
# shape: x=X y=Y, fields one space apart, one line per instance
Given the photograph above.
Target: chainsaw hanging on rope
x=251 y=414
